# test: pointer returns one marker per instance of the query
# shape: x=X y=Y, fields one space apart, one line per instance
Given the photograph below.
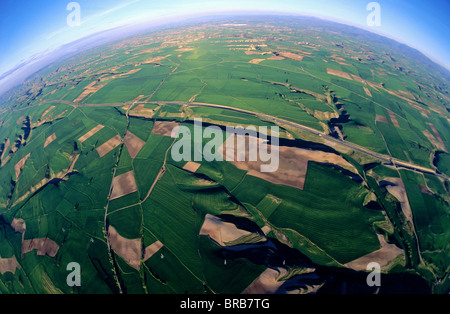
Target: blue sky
x=34 y=27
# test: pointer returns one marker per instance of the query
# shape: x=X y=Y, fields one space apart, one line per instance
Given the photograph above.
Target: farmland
x=87 y=173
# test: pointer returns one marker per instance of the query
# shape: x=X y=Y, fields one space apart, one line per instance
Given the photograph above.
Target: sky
x=32 y=28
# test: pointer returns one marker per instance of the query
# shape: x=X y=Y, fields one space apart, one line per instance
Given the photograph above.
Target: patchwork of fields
x=87 y=175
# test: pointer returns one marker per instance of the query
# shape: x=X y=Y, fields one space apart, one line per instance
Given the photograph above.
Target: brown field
x=5 y=148
x=118 y=75
x=256 y=61
x=8 y=265
x=221 y=231
x=383 y=256
x=133 y=143
x=368 y=93
x=433 y=140
x=18 y=225
x=293 y=162
x=90 y=133
x=358 y=78
x=399 y=192
x=267 y=282
x=108 y=146
x=339 y=73
x=140 y=111
x=49 y=139
x=153 y=60
x=424 y=112
x=123 y=184
x=138 y=98
x=438 y=136
x=253 y=52
x=19 y=165
x=393 y=119
x=325 y=115
x=42 y=245
x=191 y=166
x=184 y=49
x=381 y=118
x=128 y=249
x=90 y=89
x=152 y=249
x=266 y=229
x=20 y=120
x=290 y=55
x=276 y=58
x=164 y=127
x=424 y=189
x=46 y=111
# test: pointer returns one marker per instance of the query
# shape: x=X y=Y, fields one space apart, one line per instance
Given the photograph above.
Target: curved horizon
x=19 y=50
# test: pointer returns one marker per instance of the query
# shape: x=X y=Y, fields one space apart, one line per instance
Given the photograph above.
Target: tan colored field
x=424 y=189
x=325 y=115
x=290 y=55
x=393 y=118
x=254 y=52
x=118 y=75
x=90 y=133
x=221 y=231
x=266 y=229
x=18 y=225
x=128 y=249
x=109 y=145
x=44 y=246
x=164 y=127
x=90 y=89
x=383 y=256
x=381 y=118
x=438 y=136
x=8 y=265
x=20 y=120
x=123 y=184
x=276 y=58
x=339 y=73
x=46 y=111
x=368 y=93
x=19 y=165
x=191 y=166
x=358 y=78
x=267 y=282
x=433 y=140
x=292 y=162
x=152 y=249
x=140 y=111
x=256 y=61
x=184 y=49
x=153 y=60
x=5 y=148
x=133 y=143
x=49 y=139
x=399 y=192
x=138 y=98
x=424 y=112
